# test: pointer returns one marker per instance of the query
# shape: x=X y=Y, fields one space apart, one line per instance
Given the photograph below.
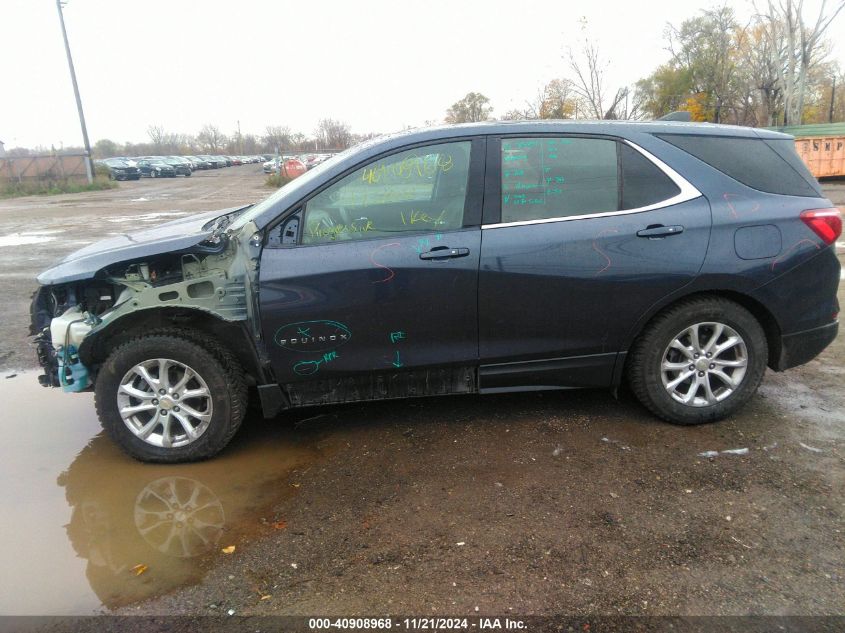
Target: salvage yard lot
x=563 y=502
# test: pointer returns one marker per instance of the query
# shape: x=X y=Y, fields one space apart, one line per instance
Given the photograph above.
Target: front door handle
x=444 y=252
x=659 y=230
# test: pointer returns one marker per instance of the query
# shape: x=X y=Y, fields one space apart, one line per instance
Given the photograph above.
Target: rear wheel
x=171 y=397
x=152 y=173
x=698 y=361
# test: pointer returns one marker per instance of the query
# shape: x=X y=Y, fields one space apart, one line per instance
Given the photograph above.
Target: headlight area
x=61 y=316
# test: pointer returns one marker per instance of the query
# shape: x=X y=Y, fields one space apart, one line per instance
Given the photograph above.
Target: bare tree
x=333 y=134
x=589 y=85
x=157 y=135
x=163 y=142
x=211 y=138
x=515 y=114
x=277 y=138
x=797 y=48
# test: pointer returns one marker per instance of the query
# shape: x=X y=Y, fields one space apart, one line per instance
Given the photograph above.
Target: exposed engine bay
x=214 y=276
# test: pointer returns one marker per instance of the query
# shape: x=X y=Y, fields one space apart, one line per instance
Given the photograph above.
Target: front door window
x=418 y=190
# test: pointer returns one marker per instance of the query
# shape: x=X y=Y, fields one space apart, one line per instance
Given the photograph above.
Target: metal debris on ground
x=810 y=448
x=730 y=451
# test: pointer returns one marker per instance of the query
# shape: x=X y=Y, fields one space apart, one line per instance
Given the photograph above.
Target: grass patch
x=277 y=180
x=53 y=187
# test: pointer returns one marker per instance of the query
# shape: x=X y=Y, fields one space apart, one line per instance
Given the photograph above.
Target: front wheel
x=174 y=397
x=698 y=361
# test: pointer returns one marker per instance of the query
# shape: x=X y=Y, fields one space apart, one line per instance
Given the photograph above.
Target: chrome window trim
x=687 y=192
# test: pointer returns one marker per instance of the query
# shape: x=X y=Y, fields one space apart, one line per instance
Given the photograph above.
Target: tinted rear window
x=753 y=162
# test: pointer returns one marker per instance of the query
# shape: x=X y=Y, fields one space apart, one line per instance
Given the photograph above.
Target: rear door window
x=553 y=177
x=559 y=177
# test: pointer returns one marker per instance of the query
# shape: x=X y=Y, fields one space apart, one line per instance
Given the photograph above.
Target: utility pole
x=832 y=98
x=88 y=168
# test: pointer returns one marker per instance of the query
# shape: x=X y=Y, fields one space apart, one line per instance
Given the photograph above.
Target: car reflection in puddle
x=179 y=516
x=139 y=530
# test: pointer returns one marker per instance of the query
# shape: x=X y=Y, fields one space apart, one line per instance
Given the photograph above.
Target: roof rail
x=677 y=115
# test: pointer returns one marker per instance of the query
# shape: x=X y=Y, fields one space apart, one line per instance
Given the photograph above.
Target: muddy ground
x=539 y=503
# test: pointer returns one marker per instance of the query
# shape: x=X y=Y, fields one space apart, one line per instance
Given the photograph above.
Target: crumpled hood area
x=170 y=236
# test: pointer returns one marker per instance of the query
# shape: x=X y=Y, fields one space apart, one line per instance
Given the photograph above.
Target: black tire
x=217 y=366
x=645 y=373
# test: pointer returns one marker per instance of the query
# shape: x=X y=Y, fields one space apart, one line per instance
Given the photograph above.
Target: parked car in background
x=680 y=259
x=271 y=166
x=199 y=163
x=215 y=161
x=156 y=168
x=211 y=160
x=182 y=166
x=122 y=169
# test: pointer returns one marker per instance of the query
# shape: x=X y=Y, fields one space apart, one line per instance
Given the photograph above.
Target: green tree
x=105 y=148
x=663 y=91
x=706 y=48
x=557 y=100
x=473 y=107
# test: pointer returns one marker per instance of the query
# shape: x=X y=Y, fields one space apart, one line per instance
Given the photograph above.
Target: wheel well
x=765 y=318
x=233 y=335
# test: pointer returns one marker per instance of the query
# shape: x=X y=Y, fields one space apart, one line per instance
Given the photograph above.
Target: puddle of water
x=23 y=239
x=76 y=515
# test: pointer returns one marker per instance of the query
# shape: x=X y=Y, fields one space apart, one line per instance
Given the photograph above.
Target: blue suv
x=680 y=258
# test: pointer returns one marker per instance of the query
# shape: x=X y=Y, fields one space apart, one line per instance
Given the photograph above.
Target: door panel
x=363 y=306
x=380 y=298
x=567 y=289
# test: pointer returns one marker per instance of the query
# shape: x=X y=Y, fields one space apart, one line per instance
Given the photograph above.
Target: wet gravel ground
x=37 y=231
x=539 y=503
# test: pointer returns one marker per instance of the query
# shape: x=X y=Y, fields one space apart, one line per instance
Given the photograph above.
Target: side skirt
x=383 y=386
x=595 y=370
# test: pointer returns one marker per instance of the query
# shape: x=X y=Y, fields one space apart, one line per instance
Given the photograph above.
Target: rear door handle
x=444 y=252
x=660 y=231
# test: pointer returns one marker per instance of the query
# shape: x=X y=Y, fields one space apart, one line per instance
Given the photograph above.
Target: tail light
x=826 y=223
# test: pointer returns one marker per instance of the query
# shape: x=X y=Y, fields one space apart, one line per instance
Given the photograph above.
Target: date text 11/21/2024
x=418 y=624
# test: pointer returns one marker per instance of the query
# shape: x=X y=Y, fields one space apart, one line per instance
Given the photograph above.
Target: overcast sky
x=377 y=65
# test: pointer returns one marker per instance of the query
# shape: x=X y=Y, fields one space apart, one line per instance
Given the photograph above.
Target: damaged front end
x=75 y=320
x=60 y=320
